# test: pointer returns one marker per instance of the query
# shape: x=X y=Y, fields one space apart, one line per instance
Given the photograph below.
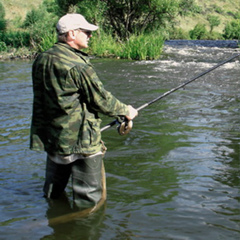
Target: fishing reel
x=125 y=127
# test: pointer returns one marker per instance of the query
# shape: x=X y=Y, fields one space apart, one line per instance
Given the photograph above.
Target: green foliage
x=32 y=18
x=194 y=9
x=2 y=11
x=218 y=9
x=47 y=41
x=199 y=32
x=67 y=6
x=94 y=11
x=51 y=6
x=188 y=7
x=3 y=22
x=232 y=30
x=15 y=39
x=138 y=47
x=178 y=33
x=3 y=46
x=40 y=23
x=103 y=44
x=131 y=29
x=237 y=15
x=17 y=22
x=214 y=21
x=143 y=47
x=213 y=36
x=138 y=16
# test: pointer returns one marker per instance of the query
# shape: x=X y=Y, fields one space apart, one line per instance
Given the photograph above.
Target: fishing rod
x=125 y=125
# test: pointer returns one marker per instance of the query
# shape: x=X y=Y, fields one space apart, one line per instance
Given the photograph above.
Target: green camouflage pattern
x=68 y=96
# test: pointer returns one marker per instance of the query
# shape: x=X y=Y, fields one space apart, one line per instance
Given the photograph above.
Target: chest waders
x=88 y=180
x=83 y=213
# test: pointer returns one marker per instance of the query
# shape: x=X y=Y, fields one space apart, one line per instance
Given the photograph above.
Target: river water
x=176 y=175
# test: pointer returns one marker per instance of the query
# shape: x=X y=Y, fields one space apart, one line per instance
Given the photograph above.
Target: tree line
x=133 y=29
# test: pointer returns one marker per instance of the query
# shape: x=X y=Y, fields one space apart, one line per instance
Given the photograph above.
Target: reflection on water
x=175 y=176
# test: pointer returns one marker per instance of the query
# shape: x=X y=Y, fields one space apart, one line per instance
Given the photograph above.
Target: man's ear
x=71 y=34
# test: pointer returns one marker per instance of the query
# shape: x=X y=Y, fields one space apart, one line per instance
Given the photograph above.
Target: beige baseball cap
x=74 y=21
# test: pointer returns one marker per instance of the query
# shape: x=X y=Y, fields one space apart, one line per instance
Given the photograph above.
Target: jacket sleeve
x=94 y=94
x=38 y=123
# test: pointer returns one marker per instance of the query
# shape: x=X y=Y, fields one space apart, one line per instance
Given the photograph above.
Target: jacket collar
x=76 y=51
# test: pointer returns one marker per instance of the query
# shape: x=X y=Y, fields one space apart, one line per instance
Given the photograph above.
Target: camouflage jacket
x=68 y=96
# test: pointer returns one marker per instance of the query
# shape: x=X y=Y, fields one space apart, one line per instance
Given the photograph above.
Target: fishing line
x=124 y=123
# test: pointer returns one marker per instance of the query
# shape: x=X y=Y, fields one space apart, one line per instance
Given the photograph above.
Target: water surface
x=175 y=176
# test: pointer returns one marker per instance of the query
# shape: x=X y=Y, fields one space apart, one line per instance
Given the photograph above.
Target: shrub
x=15 y=39
x=104 y=45
x=198 y=32
x=138 y=47
x=232 y=30
x=32 y=17
x=214 y=21
x=3 y=23
x=3 y=46
x=197 y=9
x=178 y=33
x=237 y=15
x=47 y=41
x=213 y=36
x=143 y=47
x=217 y=9
x=40 y=24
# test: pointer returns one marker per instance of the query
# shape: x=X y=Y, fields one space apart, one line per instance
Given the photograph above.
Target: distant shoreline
x=205 y=43
x=28 y=55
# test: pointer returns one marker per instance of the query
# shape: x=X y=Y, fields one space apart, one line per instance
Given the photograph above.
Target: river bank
x=205 y=43
x=25 y=53
x=20 y=53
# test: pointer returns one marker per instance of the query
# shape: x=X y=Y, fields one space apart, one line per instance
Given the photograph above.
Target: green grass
x=16 y=11
x=138 y=47
x=223 y=9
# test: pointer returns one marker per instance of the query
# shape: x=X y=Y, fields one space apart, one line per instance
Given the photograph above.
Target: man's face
x=82 y=38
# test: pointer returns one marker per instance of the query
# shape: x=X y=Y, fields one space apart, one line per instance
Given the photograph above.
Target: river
x=175 y=176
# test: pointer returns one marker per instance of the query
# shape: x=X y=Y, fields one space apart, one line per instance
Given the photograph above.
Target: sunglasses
x=87 y=32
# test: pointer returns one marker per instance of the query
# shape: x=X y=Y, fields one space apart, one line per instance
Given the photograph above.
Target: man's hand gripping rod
x=164 y=95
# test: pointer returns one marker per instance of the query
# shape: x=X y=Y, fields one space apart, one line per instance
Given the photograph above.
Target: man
x=68 y=96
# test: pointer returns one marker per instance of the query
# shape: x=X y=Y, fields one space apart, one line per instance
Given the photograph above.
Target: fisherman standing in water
x=68 y=96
